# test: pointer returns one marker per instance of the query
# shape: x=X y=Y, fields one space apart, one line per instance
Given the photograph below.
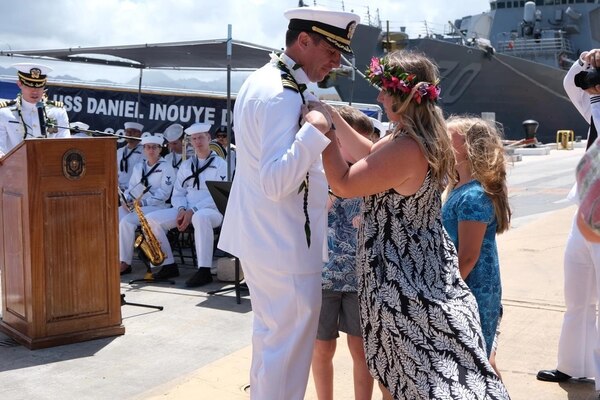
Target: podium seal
x=73 y=164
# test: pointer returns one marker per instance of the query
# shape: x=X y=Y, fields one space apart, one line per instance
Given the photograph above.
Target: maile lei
x=50 y=122
x=291 y=82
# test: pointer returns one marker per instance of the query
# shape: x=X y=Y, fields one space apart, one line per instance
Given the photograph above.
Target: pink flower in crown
x=404 y=88
x=417 y=96
x=392 y=84
x=433 y=92
x=375 y=66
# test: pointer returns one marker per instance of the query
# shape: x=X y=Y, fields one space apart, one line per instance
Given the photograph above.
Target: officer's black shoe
x=201 y=277
x=167 y=271
x=552 y=375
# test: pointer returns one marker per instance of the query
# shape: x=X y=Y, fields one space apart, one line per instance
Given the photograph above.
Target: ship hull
x=475 y=82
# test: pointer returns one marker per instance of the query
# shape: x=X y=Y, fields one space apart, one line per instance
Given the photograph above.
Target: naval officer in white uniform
x=20 y=118
x=579 y=344
x=276 y=216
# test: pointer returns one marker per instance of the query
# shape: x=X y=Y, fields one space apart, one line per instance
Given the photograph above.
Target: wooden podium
x=59 y=242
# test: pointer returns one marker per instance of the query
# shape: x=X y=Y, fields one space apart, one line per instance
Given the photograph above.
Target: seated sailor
x=174 y=136
x=151 y=184
x=130 y=154
x=193 y=203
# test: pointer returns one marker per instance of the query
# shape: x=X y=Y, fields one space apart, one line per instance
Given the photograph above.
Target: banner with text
x=108 y=109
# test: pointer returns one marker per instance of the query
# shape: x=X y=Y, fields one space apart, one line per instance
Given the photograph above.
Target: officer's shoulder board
x=7 y=103
x=289 y=83
x=55 y=103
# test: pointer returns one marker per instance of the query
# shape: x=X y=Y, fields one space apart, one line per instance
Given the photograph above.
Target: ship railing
x=521 y=47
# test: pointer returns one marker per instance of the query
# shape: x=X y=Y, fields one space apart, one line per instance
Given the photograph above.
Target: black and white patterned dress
x=420 y=321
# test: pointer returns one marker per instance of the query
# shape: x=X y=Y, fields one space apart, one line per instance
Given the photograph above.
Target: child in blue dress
x=475 y=210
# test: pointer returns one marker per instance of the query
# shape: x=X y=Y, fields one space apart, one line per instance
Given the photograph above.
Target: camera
x=587 y=79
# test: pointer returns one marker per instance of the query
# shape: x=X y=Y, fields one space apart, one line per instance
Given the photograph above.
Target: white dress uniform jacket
x=196 y=197
x=579 y=344
x=14 y=127
x=186 y=193
x=126 y=159
x=160 y=183
x=264 y=227
x=264 y=222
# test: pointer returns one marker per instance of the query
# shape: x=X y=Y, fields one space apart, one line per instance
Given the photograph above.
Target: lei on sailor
x=51 y=122
x=398 y=82
x=290 y=82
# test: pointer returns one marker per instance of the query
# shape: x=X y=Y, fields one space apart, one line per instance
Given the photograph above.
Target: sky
x=59 y=24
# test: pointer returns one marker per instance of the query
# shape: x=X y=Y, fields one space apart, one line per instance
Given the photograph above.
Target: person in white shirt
x=276 y=218
x=151 y=184
x=130 y=154
x=22 y=117
x=579 y=343
x=192 y=203
x=174 y=136
x=230 y=155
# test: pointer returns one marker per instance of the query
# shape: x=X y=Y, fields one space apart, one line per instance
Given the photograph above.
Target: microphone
x=40 y=109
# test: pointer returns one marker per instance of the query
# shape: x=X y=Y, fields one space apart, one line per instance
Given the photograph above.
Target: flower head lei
x=398 y=82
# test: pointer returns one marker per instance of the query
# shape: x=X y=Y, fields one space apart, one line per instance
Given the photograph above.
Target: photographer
x=579 y=344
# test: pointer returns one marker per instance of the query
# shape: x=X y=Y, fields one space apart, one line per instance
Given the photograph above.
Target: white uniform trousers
x=286 y=315
x=128 y=223
x=579 y=344
x=204 y=221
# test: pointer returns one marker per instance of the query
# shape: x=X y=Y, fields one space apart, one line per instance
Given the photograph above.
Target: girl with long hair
x=475 y=210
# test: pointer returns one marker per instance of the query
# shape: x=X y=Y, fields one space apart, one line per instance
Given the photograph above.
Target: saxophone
x=146 y=241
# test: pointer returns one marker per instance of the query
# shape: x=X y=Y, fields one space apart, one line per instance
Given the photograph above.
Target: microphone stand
x=40 y=109
x=92 y=132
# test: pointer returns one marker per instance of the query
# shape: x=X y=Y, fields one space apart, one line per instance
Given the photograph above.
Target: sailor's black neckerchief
x=124 y=164
x=197 y=170
x=145 y=175
x=178 y=163
x=289 y=82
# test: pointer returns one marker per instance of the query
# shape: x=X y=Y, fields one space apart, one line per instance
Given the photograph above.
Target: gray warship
x=508 y=62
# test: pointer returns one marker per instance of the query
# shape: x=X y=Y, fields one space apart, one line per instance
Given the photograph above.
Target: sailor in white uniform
x=174 y=136
x=579 y=344
x=20 y=118
x=230 y=154
x=276 y=216
x=192 y=203
x=130 y=154
x=151 y=182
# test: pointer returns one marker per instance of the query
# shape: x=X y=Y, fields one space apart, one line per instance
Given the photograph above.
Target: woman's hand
x=317 y=115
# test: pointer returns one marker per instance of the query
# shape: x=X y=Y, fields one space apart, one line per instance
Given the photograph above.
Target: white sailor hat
x=173 y=132
x=337 y=27
x=134 y=125
x=79 y=125
x=32 y=75
x=198 y=128
x=149 y=138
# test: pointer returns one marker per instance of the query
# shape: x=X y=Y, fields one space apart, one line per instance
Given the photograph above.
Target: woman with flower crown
x=420 y=322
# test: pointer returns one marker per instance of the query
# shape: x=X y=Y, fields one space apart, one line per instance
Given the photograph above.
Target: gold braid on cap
x=330 y=35
x=32 y=80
